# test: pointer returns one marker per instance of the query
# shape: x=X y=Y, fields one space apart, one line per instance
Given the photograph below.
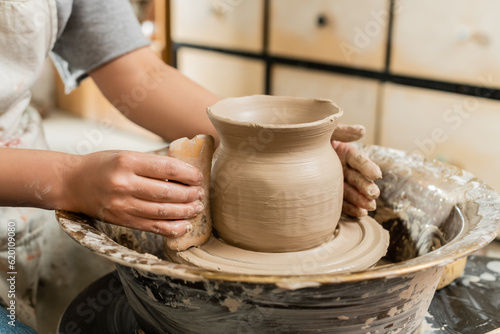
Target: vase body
x=277 y=183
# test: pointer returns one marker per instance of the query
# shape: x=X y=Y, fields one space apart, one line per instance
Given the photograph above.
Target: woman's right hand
x=138 y=190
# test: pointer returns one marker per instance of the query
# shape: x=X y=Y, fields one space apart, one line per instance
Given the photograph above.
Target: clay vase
x=277 y=183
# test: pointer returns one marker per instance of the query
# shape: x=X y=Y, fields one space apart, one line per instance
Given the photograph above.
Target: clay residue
x=232 y=304
x=494 y=266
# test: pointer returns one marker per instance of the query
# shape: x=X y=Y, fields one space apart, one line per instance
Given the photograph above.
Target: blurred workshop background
x=422 y=76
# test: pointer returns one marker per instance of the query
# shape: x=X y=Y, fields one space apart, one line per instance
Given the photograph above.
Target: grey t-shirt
x=92 y=33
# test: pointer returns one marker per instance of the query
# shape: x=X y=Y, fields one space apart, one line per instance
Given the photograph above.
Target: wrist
x=66 y=170
x=35 y=178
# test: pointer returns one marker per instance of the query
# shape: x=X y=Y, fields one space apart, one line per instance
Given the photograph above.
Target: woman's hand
x=360 y=172
x=131 y=189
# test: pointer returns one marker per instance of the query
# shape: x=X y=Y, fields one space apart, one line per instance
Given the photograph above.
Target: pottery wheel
x=357 y=244
x=469 y=299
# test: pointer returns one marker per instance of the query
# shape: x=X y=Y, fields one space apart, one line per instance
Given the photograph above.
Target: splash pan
x=435 y=213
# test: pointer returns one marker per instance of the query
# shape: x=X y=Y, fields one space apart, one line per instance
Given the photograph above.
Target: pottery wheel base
x=356 y=245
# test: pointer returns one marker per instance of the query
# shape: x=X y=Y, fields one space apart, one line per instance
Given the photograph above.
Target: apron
x=28 y=30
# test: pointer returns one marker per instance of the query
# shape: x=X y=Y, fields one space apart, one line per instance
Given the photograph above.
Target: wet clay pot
x=277 y=183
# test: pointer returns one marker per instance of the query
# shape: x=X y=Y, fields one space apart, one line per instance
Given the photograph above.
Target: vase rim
x=330 y=113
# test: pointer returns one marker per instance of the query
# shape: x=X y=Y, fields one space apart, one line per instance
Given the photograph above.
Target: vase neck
x=275 y=140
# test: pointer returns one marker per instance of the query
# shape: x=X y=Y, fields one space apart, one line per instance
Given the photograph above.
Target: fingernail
x=372 y=205
x=189 y=228
x=199 y=207
x=379 y=172
x=373 y=190
x=200 y=178
x=201 y=193
x=362 y=212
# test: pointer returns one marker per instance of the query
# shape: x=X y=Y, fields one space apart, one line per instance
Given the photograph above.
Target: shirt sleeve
x=97 y=32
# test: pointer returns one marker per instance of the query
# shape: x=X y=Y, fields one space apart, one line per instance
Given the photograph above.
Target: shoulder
x=96 y=32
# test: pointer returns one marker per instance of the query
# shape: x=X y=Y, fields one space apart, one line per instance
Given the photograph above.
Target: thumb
x=347 y=133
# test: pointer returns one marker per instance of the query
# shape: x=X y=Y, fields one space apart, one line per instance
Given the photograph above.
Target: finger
x=348 y=133
x=162 y=191
x=361 y=162
x=353 y=210
x=163 y=211
x=161 y=167
x=171 y=229
x=354 y=197
x=358 y=160
x=367 y=188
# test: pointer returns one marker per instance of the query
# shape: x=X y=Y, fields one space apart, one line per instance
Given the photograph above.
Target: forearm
x=156 y=96
x=33 y=177
x=119 y=187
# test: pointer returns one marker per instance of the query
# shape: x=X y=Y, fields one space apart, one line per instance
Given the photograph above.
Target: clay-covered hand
x=131 y=189
x=360 y=190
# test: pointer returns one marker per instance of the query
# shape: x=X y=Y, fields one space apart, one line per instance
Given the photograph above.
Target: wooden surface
x=225 y=75
x=457 y=129
x=162 y=33
x=447 y=40
x=356 y=96
x=235 y=24
x=353 y=32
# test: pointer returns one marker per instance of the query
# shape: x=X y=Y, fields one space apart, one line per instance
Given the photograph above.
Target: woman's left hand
x=360 y=190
